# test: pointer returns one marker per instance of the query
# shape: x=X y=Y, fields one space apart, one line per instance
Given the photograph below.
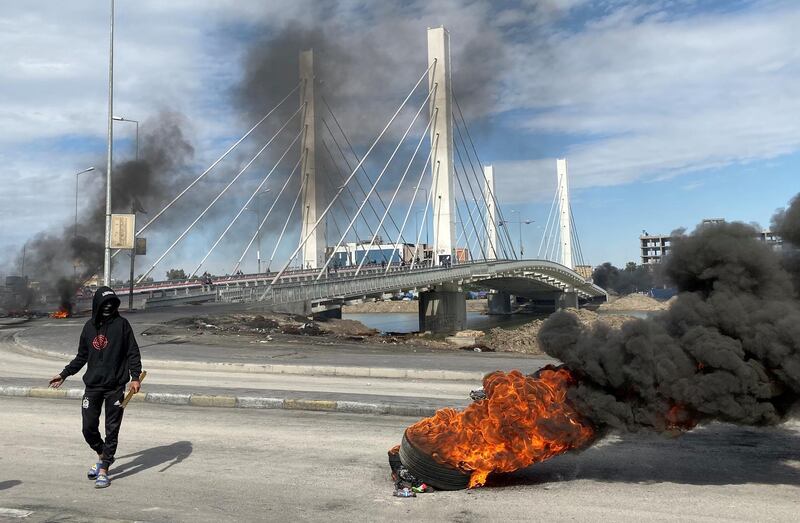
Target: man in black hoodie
x=108 y=346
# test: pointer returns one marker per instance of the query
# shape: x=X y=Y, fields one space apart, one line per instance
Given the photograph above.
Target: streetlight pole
x=107 y=254
x=258 y=230
x=75 y=230
x=519 y=223
x=123 y=119
x=133 y=211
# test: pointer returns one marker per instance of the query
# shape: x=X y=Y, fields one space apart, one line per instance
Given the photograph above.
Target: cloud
x=625 y=92
x=644 y=95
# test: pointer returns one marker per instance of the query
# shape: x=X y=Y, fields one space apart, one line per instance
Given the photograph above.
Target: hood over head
x=101 y=297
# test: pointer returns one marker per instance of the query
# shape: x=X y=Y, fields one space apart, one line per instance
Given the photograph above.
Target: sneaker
x=101 y=481
x=92 y=473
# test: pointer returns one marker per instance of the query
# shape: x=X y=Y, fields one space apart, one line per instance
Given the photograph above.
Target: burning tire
x=426 y=469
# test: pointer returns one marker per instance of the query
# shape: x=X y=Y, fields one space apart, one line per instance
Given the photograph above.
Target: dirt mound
x=634 y=302
x=524 y=339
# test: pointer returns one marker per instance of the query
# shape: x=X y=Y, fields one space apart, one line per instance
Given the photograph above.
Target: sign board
x=122 y=231
x=141 y=246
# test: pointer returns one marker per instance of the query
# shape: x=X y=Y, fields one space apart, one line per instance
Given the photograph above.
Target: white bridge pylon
x=444 y=214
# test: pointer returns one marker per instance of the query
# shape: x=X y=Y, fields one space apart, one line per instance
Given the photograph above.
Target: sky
x=668 y=111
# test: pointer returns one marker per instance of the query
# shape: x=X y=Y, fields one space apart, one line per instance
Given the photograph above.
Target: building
x=351 y=254
x=653 y=248
x=585 y=271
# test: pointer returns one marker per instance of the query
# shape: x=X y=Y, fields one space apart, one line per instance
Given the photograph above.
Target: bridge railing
x=370 y=284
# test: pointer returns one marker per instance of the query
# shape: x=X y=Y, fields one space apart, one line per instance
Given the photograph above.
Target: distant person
x=108 y=346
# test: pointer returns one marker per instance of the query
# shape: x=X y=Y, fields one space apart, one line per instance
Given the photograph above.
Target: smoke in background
x=728 y=349
x=62 y=261
x=786 y=224
x=363 y=71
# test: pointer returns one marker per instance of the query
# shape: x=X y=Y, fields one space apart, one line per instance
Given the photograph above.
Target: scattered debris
x=406 y=485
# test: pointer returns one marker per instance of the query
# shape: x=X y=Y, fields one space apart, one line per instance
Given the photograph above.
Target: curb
x=298 y=370
x=239 y=402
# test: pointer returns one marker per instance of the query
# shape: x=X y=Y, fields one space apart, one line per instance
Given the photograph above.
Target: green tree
x=176 y=274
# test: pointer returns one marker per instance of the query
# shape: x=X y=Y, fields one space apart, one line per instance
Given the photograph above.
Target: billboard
x=123 y=231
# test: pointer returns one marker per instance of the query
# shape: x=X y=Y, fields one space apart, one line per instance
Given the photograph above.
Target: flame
x=60 y=313
x=523 y=420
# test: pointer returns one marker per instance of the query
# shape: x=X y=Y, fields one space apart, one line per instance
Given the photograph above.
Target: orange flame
x=523 y=420
x=60 y=313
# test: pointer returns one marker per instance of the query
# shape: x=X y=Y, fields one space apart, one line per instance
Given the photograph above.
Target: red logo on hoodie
x=100 y=342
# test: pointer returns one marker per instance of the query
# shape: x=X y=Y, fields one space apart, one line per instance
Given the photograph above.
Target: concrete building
x=351 y=254
x=653 y=248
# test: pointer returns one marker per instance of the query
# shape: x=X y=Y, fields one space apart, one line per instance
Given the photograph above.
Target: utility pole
x=107 y=254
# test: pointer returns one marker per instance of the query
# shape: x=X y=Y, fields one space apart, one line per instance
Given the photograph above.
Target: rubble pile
x=266 y=324
x=524 y=338
x=634 y=302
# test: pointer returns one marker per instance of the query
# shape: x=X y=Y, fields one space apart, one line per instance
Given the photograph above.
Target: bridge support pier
x=499 y=303
x=567 y=300
x=330 y=314
x=443 y=310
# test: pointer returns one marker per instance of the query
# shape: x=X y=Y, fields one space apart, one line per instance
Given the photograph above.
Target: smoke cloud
x=728 y=349
x=60 y=262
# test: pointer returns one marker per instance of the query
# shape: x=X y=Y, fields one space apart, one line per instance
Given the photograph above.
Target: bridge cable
x=475 y=175
x=428 y=205
x=463 y=195
x=490 y=191
x=341 y=178
x=269 y=211
x=339 y=192
x=463 y=227
x=352 y=150
x=244 y=207
x=231 y=148
x=366 y=221
x=300 y=191
x=581 y=259
x=472 y=192
x=547 y=227
x=356 y=179
x=422 y=137
x=477 y=158
x=224 y=190
x=380 y=175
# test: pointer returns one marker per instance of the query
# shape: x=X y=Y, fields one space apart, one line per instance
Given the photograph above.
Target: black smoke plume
x=786 y=224
x=728 y=349
x=61 y=262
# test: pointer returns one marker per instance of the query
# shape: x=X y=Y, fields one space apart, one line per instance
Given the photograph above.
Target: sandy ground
x=524 y=338
x=634 y=302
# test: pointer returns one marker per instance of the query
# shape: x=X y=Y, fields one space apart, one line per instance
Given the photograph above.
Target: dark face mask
x=107 y=310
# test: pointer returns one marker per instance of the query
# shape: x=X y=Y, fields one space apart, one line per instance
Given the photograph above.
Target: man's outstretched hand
x=56 y=381
x=135 y=386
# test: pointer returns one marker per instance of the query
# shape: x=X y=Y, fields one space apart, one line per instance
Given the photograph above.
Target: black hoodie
x=109 y=347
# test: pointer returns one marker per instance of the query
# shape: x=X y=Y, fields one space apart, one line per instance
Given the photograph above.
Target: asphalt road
x=189 y=464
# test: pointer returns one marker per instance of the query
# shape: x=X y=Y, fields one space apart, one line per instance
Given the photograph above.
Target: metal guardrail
x=551 y=274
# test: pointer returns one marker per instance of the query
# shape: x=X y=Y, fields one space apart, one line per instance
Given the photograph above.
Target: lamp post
x=75 y=230
x=122 y=119
x=107 y=253
x=519 y=223
x=258 y=230
x=133 y=211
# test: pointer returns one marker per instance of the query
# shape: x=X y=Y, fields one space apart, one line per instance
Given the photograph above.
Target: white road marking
x=14 y=513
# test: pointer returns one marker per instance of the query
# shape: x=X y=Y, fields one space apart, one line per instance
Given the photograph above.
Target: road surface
x=195 y=464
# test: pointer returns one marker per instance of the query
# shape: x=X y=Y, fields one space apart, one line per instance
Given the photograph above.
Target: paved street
x=190 y=464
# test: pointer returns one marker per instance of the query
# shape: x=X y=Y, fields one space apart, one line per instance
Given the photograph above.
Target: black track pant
x=93 y=401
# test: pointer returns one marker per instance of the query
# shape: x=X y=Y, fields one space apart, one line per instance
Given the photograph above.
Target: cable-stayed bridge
x=354 y=221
